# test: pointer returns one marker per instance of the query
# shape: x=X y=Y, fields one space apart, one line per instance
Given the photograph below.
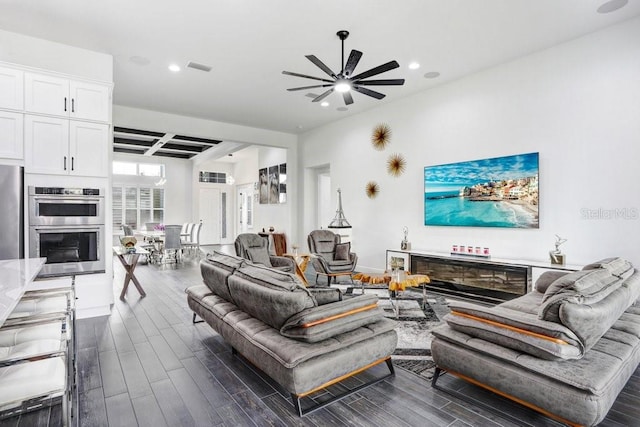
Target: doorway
x=245 y=198
x=209 y=215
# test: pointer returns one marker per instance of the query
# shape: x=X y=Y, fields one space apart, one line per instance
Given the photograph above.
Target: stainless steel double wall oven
x=66 y=225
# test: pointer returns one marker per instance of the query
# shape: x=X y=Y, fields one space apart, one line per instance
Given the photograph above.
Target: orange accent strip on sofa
x=515 y=399
x=511 y=328
x=343 y=377
x=339 y=316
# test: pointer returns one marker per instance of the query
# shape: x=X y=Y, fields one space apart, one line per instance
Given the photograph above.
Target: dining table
x=155 y=240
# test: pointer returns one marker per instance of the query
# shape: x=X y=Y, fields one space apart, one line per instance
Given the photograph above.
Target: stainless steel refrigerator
x=11 y=212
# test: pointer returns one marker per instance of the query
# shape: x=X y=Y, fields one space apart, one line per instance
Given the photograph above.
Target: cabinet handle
x=65 y=103
x=65 y=162
x=72 y=161
x=73 y=102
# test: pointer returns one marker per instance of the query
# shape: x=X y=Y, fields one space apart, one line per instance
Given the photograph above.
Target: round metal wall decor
x=372 y=189
x=381 y=136
x=396 y=164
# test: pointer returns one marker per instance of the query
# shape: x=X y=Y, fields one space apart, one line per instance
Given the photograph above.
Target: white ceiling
x=250 y=42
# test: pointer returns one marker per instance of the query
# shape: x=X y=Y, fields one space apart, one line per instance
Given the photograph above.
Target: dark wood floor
x=146 y=364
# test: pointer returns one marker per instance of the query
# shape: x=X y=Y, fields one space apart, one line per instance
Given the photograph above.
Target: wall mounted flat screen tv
x=496 y=192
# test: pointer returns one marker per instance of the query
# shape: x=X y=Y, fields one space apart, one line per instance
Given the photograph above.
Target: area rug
x=415 y=323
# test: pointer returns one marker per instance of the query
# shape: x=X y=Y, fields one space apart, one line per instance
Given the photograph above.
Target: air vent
x=197 y=66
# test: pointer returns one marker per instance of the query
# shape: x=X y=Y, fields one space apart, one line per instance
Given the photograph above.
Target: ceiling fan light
x=342 y=87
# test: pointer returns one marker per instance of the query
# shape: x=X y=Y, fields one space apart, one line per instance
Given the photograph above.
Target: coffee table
x=397 y=281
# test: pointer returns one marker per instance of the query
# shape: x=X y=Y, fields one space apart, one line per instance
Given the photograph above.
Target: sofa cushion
x=216 y=270
x=342 y=251
x=516 y=330
x=259 y=255
x=324 y=296
x=617 y=266
x=547 y=278
x=320 y=323
x=269 y=277
x=269 y=295
x=580 y=287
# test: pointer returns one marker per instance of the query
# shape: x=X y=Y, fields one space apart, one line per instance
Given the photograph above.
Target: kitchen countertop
x=15 y=275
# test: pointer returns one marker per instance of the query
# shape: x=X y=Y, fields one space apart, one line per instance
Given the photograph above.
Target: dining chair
x=127 y=230
x=193 y=243
x=172 y=242
x=185 y=233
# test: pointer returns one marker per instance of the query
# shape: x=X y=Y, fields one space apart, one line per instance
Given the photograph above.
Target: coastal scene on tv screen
x=496 y=192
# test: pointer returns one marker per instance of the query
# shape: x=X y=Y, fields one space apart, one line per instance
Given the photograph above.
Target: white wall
x=48 y=55
x=273 y=215
x=576 y=104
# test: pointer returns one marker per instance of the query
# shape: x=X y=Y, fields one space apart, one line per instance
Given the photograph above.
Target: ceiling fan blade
x=320 y=65
x=323 y=96
x=289 y=73
x=369 y=92
x=307 y=87
x=348 y=99
x=376 y=70
x=352 y=62
x=389 y=82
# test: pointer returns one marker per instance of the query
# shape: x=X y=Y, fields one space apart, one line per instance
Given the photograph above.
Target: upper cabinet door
x=11 y=135
x=11 y=88
x=89 y=101
x=46 y=95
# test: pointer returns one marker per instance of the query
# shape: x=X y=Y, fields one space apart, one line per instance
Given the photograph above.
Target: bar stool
x=37 y=354
x=34 y=341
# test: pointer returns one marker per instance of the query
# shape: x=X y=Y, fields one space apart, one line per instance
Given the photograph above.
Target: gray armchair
x=256 y=249
x=331 y=258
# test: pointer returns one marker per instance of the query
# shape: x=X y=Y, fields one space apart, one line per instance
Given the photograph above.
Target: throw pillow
x=342 y=251
x=259 y=256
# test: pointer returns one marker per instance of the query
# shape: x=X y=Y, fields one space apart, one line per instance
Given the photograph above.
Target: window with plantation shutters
x=135 y=206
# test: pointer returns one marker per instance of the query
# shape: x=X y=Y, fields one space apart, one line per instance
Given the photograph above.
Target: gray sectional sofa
x=303 y=338
x=566 y=349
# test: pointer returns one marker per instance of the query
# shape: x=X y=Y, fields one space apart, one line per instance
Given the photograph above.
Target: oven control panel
x=66 y=191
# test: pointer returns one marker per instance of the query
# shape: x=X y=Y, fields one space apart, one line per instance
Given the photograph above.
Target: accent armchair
x=331 y=258
x=255 y=248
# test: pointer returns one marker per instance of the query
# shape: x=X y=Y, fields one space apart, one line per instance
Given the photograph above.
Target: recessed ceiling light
x=174 y=67
x=431 y=75
x=325 y=104
x=612 y=5
x=414 y=66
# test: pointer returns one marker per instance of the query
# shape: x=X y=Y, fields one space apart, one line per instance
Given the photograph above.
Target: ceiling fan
x=344 y=81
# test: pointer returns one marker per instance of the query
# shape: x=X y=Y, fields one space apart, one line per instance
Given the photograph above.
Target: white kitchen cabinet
x=58 y=96
x=89 y=101
x=11 y=133
x=11 y=88
x=88 y=148
x=58 y=146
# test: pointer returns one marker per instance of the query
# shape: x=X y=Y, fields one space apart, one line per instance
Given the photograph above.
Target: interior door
x=210 y=216
x=244 y=208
